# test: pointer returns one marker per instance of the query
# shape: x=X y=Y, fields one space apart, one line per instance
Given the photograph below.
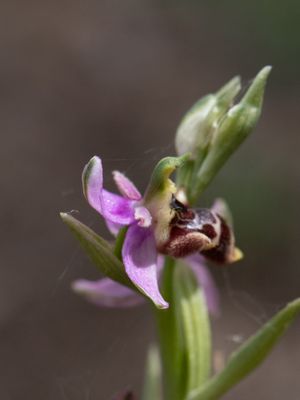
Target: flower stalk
x=170 y=351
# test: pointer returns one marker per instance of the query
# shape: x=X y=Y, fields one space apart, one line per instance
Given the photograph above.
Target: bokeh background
x=114 y=78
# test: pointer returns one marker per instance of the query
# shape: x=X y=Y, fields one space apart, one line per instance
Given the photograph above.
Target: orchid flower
x=156 y=223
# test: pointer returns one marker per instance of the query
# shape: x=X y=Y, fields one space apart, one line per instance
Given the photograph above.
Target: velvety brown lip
x=184 y=242
x=193 y=230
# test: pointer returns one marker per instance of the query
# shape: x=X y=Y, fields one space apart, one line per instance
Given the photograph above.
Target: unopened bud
x=236 y=125
x=196 y=129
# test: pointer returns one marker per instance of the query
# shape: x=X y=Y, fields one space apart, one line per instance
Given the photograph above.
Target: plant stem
x=168 y=338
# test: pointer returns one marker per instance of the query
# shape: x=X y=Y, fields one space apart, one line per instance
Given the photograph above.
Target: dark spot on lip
x=220 y=253
x=193 y=229
x=183 y=217
x=209 y=231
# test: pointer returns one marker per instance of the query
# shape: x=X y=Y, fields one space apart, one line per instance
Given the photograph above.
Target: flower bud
x=236 y=125
x=196 y=129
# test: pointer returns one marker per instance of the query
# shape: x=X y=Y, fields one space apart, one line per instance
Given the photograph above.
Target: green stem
x=119 y=242
x=184 y=332
x=194 y=325
x=168 y=337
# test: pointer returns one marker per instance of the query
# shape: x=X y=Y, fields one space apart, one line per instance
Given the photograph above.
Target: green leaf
x=98 y=250
x=152 y=389
x=194 y=328
x=249 y=356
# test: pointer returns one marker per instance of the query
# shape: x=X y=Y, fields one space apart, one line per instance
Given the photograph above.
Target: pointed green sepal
x=234 y=128
x=255 y=93
x=98 y=250
x=249 y=356
x=226 y=95
x=193 y=325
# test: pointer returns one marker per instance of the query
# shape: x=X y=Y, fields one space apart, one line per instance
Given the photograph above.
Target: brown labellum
x=199 y=230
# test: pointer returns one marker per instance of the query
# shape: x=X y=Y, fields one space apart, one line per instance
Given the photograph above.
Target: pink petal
x=112 y=207
x=126 y=187
x=117 y=209
x=206 y=281
x=143 y=216
x=106 y=292
x=140 y=260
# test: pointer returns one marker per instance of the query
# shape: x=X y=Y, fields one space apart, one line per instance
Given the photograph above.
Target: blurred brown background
x=113 y=78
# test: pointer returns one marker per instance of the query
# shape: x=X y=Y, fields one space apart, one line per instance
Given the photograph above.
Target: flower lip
x=184 y=242
x=224 y=252
x=202 y=231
